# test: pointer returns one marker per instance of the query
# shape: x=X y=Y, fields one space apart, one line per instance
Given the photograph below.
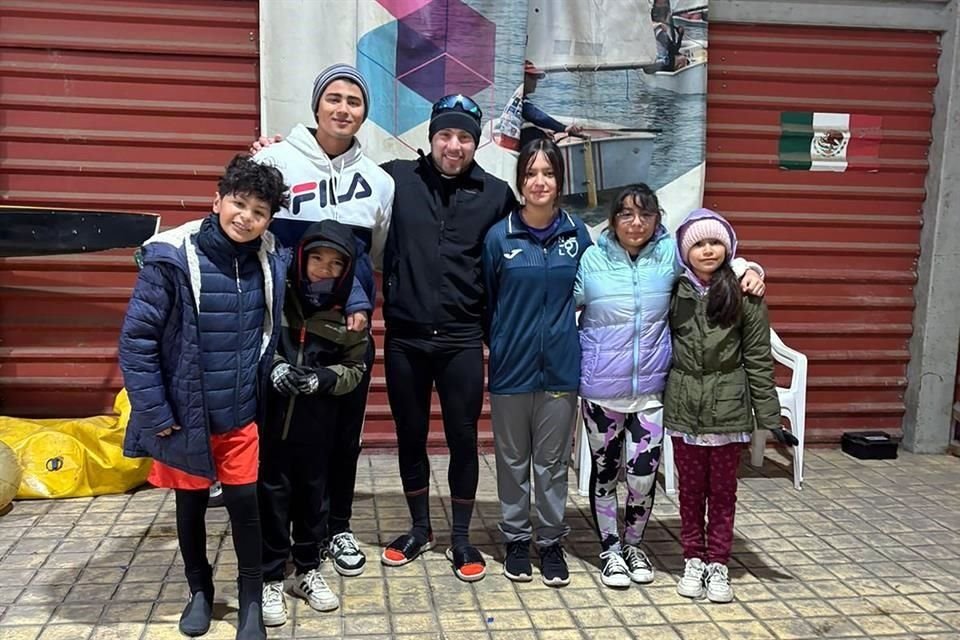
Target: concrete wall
x=932 y=372
x=936 y=320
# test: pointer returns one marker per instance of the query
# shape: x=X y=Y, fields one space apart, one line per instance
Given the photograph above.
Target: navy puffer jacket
x=231 y=326
x=197 y=366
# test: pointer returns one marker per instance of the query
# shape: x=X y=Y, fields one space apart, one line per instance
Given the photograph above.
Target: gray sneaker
x=347 y=557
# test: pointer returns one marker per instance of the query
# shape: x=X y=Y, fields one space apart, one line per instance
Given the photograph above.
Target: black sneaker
x=516 y=565
x=553 y=566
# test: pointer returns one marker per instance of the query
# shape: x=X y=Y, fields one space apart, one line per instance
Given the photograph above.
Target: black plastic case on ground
x=869 y=445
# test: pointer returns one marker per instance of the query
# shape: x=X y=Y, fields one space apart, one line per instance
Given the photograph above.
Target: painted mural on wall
x=619 y=84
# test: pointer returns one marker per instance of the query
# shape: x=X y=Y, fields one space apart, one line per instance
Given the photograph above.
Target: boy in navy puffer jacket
x=197 y=340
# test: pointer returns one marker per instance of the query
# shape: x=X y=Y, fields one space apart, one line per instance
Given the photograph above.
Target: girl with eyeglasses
x=530 y=263
x=623 y=286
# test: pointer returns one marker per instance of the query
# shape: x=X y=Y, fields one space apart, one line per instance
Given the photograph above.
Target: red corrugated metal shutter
x=840 y=248
x=130 y=105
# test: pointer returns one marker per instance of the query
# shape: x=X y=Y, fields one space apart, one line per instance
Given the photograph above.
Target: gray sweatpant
x=533 y=427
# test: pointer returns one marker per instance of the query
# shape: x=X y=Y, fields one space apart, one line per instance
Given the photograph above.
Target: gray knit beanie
x=339 y=72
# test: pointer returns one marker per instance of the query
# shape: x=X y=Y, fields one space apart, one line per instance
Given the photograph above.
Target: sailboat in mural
x=586 y=38
x=689 y=12
x=690 y=78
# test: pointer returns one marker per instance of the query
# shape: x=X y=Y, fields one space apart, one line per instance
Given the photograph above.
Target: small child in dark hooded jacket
x=317 y=362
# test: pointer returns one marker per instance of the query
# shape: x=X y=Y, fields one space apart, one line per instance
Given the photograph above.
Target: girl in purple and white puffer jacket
x=623 y=285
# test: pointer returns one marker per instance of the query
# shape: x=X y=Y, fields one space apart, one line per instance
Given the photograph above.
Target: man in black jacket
x=433 y=306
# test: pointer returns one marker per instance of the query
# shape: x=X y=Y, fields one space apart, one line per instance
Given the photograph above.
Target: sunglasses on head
x=451 y=102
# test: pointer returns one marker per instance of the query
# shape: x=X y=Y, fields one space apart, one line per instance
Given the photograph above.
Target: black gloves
x=284 y=379
x=308 y=383
x=784 y=437
x=292 y=381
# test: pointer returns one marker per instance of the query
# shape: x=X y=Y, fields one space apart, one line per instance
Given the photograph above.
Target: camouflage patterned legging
x=633 y=441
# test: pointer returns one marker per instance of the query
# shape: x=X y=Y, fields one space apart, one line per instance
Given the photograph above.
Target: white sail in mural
x=682 y=6
x=590 y=35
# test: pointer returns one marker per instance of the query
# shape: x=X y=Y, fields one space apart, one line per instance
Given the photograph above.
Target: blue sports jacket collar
x=516 y=226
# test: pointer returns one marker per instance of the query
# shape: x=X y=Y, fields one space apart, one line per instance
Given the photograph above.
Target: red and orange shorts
x=236 y=455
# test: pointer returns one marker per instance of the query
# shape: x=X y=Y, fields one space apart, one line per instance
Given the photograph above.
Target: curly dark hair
x=244 y=177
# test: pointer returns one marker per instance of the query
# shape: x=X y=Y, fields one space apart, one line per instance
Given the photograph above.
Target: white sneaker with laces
x=313 y=588
x=690 y=584
x=614 y=572
x=347 y=557
x=718 y=583
x=273 y=604
x=638 y=564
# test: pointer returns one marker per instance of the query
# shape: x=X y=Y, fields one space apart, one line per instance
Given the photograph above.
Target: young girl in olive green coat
x=720 y=388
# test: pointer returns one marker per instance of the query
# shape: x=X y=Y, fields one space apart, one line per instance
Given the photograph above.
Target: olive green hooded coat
x=721 y=378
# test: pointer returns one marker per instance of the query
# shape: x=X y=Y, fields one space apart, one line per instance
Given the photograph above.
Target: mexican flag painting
x=816 y=141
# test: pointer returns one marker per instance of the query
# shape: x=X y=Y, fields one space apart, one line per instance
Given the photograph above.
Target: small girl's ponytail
x=724 y=298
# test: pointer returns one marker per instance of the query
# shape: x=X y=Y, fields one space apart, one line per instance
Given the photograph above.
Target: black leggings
x=241 y=502
x=292 y=489
x=342 y=478
x=412 y=368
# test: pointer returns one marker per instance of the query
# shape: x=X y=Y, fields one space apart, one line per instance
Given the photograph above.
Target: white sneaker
x=690 y=584
x=347 y=557
x=273 y=604
x=313 y=588
x=638 y=564
x=718 y=583
x=614 y=572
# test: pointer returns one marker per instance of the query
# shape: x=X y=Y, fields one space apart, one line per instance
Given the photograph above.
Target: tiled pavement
x=866 y=550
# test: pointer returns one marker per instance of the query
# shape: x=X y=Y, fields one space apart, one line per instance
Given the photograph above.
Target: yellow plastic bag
x=74 y=458
x=10 y=474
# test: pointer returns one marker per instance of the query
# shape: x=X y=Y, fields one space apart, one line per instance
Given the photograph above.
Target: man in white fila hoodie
x=330 y=178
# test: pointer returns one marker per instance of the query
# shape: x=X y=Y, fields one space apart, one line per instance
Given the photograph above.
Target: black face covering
x=317 y=294
x=326 y=293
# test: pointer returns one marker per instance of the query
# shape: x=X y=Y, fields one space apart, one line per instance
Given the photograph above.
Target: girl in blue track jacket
x=530 y=263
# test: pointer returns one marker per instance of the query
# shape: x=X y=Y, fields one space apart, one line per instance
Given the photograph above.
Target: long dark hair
x=724 y=299
x=551 y=152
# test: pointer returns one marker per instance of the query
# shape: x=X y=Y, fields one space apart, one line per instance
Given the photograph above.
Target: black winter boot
x=250 y=623
x=195 y=619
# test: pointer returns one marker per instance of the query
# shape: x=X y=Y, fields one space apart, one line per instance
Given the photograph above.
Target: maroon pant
x=708 y=487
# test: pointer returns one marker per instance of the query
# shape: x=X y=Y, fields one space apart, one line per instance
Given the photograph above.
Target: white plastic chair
x=793 y=405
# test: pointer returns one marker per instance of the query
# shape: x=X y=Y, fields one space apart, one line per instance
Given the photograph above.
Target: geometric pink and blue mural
x=432 y=48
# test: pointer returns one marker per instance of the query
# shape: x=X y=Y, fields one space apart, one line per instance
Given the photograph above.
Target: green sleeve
x=350 y=371
x=758 y=362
